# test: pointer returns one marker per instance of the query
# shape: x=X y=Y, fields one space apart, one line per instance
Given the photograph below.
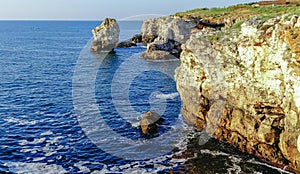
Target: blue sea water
x=42 y=132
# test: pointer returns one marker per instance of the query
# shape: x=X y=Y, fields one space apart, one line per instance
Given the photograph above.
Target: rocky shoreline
x=243 y=87
x=242 y=84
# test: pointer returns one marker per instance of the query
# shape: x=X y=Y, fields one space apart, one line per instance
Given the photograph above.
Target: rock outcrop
x=243 y=87
x=138 y=38
x=106 y=36
x=149 y=122
x=162 y=48
x=126 y=44
x=167 y=35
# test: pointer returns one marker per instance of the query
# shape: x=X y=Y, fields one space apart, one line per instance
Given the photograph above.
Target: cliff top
x=240 y=12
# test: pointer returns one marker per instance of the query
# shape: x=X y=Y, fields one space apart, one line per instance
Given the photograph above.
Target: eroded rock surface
x=166 y=34
x=106 y=36
x=243 y=87
x=162 y=48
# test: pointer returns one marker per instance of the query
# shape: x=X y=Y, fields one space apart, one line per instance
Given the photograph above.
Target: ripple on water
x=29 y=168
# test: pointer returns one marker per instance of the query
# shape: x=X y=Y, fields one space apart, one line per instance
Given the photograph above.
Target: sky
x=100 y=9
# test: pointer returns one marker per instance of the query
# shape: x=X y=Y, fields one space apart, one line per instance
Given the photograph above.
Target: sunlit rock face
x=243 y=87
x=298 y=143
x=106 y=36
x=165 y=36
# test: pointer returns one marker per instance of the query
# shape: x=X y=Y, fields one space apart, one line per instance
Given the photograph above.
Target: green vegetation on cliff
x=240 y=12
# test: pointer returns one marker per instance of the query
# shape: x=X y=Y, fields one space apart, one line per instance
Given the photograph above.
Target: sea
x=64 y=109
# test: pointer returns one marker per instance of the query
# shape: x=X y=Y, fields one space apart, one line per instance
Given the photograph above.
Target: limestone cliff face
x=243 y=87
x=170 y=27
x=165 y=36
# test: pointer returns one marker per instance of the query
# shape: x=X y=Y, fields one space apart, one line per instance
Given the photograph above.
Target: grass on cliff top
x=239 y=11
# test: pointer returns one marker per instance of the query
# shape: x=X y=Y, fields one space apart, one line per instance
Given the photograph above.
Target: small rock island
x=106 y=36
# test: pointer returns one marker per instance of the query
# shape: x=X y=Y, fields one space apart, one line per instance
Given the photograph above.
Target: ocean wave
x=167 y=96
x=20 y=122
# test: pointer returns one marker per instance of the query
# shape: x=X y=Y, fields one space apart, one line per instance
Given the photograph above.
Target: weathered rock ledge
x=243 y=87
x=164 y=36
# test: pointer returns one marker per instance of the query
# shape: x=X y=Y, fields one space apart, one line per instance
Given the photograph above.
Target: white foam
x=82 y=168
x=50 y=153
x=38 y=140
x=23 y=142
x=136 y=167
x=272 y=167
x=19 y=121
x=167 y=96
x=35 y=141
x=38 y=159
x=32 y=151
x=47 y=133
x=234 y=169
x=54 y=139
x=37 y=168
x=214 y=153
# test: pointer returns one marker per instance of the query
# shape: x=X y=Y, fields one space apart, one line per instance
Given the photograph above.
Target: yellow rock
x=298 y=144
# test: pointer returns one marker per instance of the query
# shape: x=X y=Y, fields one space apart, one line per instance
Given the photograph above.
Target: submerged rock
x=126 y=44
x=149 y=122
x=106 y=36
x=244 y=87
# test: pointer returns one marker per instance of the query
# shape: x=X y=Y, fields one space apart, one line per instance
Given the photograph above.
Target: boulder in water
x=149 y=122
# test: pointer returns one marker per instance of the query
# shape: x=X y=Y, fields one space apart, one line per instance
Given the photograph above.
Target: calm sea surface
x=66 y=110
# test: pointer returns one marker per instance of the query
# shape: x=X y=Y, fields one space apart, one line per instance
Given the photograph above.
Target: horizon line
x=65 y=20
x=128 y=18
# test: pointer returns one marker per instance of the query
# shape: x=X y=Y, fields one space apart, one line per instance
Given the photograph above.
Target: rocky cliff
x=243 y=86
x=165 y=36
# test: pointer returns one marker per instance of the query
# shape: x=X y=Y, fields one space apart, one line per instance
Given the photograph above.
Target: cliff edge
x=242 y=84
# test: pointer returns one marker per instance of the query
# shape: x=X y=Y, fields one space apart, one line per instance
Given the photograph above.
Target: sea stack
x=106 y=36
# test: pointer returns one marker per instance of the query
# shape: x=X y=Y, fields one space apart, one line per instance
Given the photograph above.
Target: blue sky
x=99 y=9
